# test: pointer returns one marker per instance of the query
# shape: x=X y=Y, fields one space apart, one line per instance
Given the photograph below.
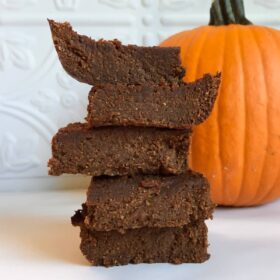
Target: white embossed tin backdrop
x=36 y=95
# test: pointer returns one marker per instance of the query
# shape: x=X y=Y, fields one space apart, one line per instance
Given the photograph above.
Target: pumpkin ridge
x=267 y=196
x=209 y=133
x=191 y=40
x=257 y=190
x=183 y=56
x=203 y=35
x=209 y=33
x=198 y=65
x=242 y=75
x=193 y=76
x=222 y=187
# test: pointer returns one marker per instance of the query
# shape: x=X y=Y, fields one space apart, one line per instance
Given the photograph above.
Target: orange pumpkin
x=238 y=147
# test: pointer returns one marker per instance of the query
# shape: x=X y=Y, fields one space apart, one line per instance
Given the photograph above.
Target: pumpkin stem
x=224 y=12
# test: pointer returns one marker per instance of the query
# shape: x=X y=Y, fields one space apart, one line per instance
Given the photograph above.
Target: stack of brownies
x=143 y=203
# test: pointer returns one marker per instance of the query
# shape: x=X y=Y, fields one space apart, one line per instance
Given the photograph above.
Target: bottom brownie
x=175 y=245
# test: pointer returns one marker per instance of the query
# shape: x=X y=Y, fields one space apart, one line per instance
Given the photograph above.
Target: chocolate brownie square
x=120 y=203
x=116 y=151
x=177 y=106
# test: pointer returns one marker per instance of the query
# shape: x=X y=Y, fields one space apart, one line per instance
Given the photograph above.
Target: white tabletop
x=38 y=242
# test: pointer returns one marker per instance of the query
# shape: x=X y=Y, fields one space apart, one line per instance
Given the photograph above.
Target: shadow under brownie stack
x=143 y=204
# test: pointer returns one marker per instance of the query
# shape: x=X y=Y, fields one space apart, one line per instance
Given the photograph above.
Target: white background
x=37 y=240
x=37 y=97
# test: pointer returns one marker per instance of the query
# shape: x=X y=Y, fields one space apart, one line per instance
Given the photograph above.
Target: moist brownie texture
x=171 y=106
x=99 y=62
x=118 y=151
x=119 y=203
x=145 y=245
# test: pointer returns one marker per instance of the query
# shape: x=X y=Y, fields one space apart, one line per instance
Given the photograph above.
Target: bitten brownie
x=99 y=62
x=120 y=203
x=171 y=106
x=187 y=244
x=118 y=151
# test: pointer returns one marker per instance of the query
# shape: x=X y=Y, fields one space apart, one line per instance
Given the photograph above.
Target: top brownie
x=99 y=62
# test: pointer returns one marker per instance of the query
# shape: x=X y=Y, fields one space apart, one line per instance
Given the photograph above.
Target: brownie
x=117 y=151
x=99 y=62
x=187 y=244
x=119 y=203
x=177 y=106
